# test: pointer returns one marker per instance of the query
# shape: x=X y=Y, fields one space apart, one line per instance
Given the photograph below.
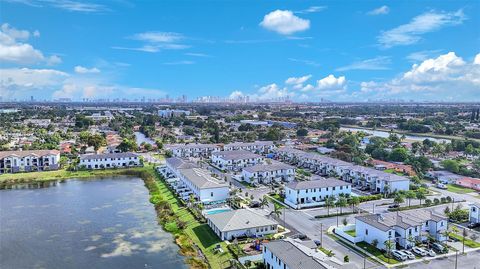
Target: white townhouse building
x=474 y=213
x=109 y=160
x=360 y=176
x=29 y=161
x=259 y=147
x=202 y=185
x=169 y=113
x=240 y=223
x=284 y=254
x=303 y=194
x=236 y=159
x=193 y=150
x=172 y=165
x=403 y=227
x=266 y=173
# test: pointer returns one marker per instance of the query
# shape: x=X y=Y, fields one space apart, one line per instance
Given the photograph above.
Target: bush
x=346 y=258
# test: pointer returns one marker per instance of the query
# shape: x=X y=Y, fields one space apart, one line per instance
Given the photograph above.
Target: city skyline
x=297 y=51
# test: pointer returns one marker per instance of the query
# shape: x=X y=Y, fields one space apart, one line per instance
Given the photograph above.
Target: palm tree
x=410 y=195
x=264 y=202
x=329 y=202
x=389 y=246
x=276 y=210
x=354 y=201
x=341 y=202
x=420 y=196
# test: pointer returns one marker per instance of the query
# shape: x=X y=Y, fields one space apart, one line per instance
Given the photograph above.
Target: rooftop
x=404 y=219
x=108 y=156
x=274 y=166
x=25 y=153
x=238 y=220
x=319 y=183
x=202 y=178
x=236 y=155
x=292 y=256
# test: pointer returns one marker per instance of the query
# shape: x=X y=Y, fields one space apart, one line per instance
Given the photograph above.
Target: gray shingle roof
x=108 y=156
x=293 y=257
x=24 y=153
x=404 y=219
x=320 y=183
x=247 y=144
x=239 y=220
x=178 y=163
x=236 y=155
x=202 y=178
x=274 y=166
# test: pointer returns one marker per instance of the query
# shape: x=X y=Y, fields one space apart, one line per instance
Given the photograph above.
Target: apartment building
x=29 y=161
x=240 y=223
x=187 y=178
x=284 y=254
x=193 y=150
x=303 y=194
x=109 y=160
x=169 y=113
x=360 y=176
x=259 y=147
x=474 y=213
x=268 y=173
x=404 y=227
x=236 y=159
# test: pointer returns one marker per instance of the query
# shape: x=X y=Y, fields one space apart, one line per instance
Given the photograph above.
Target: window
x=211 y=194
x=366 y=231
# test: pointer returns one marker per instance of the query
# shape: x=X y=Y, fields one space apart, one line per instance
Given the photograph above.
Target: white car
x=431 y=253
x=409 y=254
x=419 y=251
x=397 y=254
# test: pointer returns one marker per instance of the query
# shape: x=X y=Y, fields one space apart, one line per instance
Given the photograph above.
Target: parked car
x=420 y=251
x=254 y=204
x=439 y=248
x=441 y=186
x=409 y=254
x=473 y=225
x=317 y=242
x=394 y=206
x=397 y=254
x=431 y=253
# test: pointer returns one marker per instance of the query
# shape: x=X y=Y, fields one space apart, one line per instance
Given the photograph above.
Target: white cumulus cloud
x=284 y=22
x=331 y=83
x=383 y=10
x=297 y=80
x=84 y=70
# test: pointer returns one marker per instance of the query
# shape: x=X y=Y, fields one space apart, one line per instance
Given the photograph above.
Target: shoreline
x=172 y=216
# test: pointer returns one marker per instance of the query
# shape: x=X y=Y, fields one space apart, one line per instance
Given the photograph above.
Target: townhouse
x=303 y=194
x=469 y=182
x=193 y=150
x=363 y=177
x=267 y=173
x=474 y=213
x=109 y=160
x=285 y=254
x=236 y=159
x=259 y=147
x=241 y=223
x=404 y=227
x=29 y=161
x=187 y=178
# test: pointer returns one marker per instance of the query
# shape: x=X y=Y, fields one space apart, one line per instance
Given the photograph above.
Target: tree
x=389 y=245
x=354 y=201
x=399 y=154
x=264 y=202
x=96 y=140
x=341 y=202
x=277 y=210
x=302 y=132
x=398 y=199
x=410 y=195
x=420 y=196
x=127 y=145
x=159 y=144
x=374 y=243
x=451 y=165
x=344 y=221
x=329 y=202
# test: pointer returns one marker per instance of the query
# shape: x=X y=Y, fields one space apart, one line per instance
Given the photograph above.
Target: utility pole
x=321 y=234
x=364 y=260
x=464 y=233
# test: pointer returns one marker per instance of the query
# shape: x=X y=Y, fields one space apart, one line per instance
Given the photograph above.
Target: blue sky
x=303 y=50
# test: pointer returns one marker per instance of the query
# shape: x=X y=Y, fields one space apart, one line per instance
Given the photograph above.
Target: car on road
x=397 y=254
x=409 y=254
x=473 y=225
x=420 y=251
x=441 y=186
x=431 y=253
x=439 y=248
x=254 y=204
x=317 y=242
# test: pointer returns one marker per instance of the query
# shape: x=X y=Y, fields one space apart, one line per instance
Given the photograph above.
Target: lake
x=387 y=134
x=107 y=223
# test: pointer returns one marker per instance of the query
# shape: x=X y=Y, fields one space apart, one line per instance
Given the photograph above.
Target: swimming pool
x=217 y=210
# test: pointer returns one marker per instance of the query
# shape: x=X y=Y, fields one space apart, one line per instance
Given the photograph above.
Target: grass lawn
x=468 y=242
x=376 y=252
x=458 y=189
x=392 y=171
x=60 y=174
x=352 y=233
x=198 y=232
x=277 y=196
